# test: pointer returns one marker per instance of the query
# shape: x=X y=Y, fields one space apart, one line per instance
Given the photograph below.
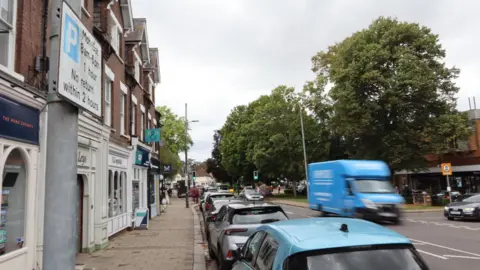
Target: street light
x=304 y=149
x=187 y=182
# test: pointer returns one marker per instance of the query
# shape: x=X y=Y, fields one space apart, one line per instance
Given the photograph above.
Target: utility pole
x=61 y=196
x=187 y=179
x=304 y=150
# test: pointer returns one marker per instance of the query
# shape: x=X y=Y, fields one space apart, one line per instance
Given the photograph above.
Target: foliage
x=167 y=157
x=214 y=164
x=173 y=131
x=390 y=92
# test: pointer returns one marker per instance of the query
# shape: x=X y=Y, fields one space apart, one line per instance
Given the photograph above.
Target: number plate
x=455 y=212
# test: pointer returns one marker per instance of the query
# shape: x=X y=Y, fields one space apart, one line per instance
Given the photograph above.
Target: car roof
x=324 y=233
x=243 y=205
x=219 y=193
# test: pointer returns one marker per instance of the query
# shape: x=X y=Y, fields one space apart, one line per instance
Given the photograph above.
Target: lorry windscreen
x=373 y=186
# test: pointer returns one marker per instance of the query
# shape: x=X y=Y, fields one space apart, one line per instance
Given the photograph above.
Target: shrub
x=288 y=191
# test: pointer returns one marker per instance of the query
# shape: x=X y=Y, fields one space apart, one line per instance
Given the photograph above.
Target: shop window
x=142 y=121
x=7 y=37
x=116 y=191
x=123 y=103
x=13 y=191
x=135 y=195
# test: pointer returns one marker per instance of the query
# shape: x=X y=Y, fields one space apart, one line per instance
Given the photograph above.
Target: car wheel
x=398 y=221
x=450 y=218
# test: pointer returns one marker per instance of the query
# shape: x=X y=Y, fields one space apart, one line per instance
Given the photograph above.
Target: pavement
x=173 y=241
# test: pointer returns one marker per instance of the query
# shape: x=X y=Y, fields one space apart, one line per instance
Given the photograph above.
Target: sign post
x=74 y=81
x=447 y=171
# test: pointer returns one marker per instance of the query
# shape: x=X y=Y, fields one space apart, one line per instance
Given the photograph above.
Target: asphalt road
x=444 y=244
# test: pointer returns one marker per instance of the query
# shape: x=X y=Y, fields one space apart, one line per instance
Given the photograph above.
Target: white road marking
x=462 y=257
x=450 y=225
x=290 y=213
x=431 y=254
x=449 y=248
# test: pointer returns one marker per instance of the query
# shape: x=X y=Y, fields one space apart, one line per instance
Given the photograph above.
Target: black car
x=468 y=208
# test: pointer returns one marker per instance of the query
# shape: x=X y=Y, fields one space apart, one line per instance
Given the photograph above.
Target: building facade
x=111 y=184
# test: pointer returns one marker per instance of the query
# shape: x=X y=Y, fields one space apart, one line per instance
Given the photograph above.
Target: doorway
x=79 y=234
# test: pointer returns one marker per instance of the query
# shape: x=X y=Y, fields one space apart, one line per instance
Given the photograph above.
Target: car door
x=348 y=199
x=266 y=254
x=250 y=251
x=212 y=227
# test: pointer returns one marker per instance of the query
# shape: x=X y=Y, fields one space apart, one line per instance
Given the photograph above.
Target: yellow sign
x=446 y=168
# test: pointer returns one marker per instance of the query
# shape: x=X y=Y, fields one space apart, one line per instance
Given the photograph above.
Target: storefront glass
x=116 y=193
x=13 y=189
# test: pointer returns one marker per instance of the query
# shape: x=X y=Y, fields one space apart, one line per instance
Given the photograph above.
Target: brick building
x=465 y=166
x=117 y=171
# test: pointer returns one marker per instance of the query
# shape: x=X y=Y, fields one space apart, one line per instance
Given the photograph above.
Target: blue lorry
x=354 y=188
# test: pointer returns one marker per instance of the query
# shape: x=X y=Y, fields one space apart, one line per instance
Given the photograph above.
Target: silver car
x=217 y=205
x=251 y=195
x=230 y=228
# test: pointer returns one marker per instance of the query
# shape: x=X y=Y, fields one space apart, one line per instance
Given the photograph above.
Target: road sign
x=446 y=168
x=255 y=175
x=152 y=135
x=79 y=65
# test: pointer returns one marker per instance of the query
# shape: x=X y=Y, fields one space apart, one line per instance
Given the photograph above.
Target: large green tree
x=392 y=95
x=173 y=131
x=214 y=164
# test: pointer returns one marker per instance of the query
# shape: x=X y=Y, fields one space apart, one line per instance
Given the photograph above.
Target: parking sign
x=446 y=169
x=79 y=68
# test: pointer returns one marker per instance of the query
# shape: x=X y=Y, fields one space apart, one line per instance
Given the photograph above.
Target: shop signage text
x=116 y=161
x=18 y=122
x=82 y=157
x=142 y=157
x=79 y=70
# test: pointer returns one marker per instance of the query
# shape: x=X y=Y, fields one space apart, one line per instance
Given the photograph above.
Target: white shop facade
x=119 y=189
x=19 y=149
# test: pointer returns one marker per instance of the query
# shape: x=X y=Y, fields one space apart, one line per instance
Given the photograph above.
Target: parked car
x=443 y=194
x=250 y=195
x=468 y=208
x=204 y=196
x=216 y=196
x=213 y=211
x=327 y=243
x=234 y=223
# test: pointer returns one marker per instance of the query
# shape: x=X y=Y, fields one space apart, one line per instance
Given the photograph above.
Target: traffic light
x=194 y=176
x=255 y=175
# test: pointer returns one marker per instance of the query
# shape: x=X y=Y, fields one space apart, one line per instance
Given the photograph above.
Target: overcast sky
x=216 y=54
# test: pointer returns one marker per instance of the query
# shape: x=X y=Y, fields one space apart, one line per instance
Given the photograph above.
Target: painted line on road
x=290 y=213
x=431 y=254
x=462 y=257
x=449 y=248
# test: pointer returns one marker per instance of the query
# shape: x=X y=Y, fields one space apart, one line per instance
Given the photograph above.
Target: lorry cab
x=354 y=188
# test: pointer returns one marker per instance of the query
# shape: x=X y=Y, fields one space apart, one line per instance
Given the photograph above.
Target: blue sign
x=152 y=135
x=18 y=122
x=71 y=34
x=142 y=157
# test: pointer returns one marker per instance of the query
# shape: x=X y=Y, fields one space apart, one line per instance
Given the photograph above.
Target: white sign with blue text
x=79 y=68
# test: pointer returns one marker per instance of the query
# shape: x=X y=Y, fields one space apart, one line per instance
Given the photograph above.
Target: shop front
x=153 y=187
x=119 y=217
x=19 y=140
x=140 y=165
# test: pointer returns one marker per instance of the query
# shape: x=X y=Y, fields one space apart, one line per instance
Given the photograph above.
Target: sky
x=217 y=54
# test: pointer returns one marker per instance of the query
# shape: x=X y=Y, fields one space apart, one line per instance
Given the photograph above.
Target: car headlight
x=446 y=208
x=369 y=204
x=468 y=209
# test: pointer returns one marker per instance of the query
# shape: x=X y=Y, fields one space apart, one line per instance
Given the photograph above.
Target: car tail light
x=232 y=231
x=230 y=254
x=207 y=206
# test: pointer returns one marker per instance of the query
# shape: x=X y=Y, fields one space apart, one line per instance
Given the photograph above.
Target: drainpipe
x=44 y=45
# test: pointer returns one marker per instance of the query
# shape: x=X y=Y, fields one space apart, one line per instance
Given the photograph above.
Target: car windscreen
x=365 y=258
x=473 y=199
x=373 y=186
x=221 y=196
x=258 y=215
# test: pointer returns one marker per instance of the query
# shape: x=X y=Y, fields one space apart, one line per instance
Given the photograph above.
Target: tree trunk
x=294 y=188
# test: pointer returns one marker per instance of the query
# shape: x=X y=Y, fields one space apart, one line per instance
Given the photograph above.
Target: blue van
x=354 y=188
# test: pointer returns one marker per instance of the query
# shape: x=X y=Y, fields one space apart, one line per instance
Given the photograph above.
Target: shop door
x=79 y=212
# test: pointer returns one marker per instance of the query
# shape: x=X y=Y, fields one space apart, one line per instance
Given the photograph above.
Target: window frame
x=142 y=126
x=123 y=105
x=116 y=33
x=108 y=101
x=247 y=244
x=11 y=27
x=134 y=118
x=267 y=240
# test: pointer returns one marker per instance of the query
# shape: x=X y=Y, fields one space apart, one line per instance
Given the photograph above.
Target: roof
x=324 y=233
x=139 y=26
x=242 y=205
x=355 y=167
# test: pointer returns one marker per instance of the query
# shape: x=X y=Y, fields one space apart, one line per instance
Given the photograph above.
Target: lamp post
x=187 y=175
x=304 y=149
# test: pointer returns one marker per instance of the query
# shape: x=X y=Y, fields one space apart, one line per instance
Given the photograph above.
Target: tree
x=214 y=164
x=173 y=131
x=167 y=157
x=391 y=93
